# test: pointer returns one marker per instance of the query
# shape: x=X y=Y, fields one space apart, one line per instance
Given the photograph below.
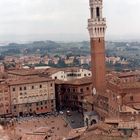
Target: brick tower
x=97 y=27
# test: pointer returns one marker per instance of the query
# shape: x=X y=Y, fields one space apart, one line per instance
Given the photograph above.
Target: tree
x=76 y=62
x=61 y=63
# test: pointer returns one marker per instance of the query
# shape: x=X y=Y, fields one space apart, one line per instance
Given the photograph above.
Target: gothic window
x=98 y=12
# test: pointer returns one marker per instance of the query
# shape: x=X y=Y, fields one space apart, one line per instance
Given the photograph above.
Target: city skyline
x=65 y=20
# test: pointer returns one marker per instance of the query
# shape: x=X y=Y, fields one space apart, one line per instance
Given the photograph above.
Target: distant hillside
x=43 y=47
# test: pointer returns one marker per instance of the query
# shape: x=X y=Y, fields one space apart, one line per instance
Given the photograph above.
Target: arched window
x=97 y=11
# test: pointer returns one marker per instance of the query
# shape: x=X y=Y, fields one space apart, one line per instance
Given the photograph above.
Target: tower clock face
x=94 y=91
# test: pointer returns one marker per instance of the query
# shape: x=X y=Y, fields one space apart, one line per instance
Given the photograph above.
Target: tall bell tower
x=97 y=27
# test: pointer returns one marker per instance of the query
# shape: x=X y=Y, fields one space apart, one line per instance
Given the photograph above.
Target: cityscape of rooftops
x=69 y=70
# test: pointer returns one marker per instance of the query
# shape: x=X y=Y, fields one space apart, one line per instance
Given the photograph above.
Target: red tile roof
x=28 y=80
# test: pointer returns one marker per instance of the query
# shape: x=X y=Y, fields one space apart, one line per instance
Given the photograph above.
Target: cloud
x=25 y=17
x=122 y=17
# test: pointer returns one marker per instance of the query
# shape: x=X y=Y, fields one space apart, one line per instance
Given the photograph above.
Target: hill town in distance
x=71 y=90
x=119 y=55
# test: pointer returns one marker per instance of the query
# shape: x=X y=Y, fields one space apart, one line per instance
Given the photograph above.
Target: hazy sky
x=65 y=19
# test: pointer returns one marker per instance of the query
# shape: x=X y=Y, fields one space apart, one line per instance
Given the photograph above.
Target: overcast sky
x=25 y=20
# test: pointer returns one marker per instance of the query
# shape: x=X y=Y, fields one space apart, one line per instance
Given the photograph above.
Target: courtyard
x=44 y=127
x=38 y=128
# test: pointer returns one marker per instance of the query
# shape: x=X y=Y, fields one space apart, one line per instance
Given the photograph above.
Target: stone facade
x=66 y=74
x=5 y=104
x=32 y=96
x=72 y=94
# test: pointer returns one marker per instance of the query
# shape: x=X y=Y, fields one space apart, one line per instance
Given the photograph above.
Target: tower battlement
x=96 y=23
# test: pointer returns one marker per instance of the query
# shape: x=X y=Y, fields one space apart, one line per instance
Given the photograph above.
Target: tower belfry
x=97 y=27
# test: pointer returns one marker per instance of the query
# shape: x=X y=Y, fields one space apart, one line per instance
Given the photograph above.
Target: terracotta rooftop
x=82 y=81
x=67 y=69
x=130 y=85
x=50 y=71
x=33 y=137
x=28 y=80
x=101 y=126
x=89 y=99
x=113 y=120
x=127 y=109
x=101 y=131
x=128 y=74
x=25 y=72
x=75 y=133
x=116 y=80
